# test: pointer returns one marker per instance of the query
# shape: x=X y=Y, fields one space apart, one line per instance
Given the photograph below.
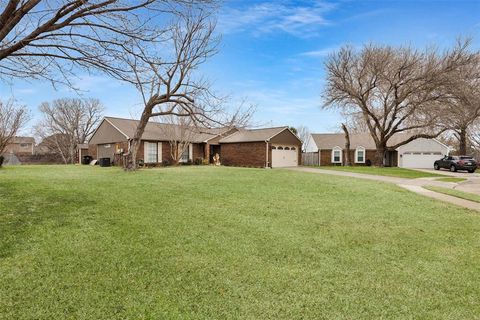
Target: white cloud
x=320 y=52
x=269 y=17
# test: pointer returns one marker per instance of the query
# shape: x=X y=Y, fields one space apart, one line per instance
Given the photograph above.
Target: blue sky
x=272 y=54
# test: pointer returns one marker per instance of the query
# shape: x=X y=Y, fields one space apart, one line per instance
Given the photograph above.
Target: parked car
x=454 y=163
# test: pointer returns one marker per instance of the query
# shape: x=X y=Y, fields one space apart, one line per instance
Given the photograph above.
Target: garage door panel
x=284 y=156
x=420 y=161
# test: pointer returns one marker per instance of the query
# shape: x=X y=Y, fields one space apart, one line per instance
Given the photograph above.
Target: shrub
x=368 y=163
x=2 y=158
x=198 y=161
x=205 y=162
x=165 y=163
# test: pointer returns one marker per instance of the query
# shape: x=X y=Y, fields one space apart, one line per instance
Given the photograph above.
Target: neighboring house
x=269 y=147
x=20 y=146
x=329 y=149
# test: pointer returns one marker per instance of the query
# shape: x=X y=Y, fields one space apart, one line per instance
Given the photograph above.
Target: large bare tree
x=49 y=39
x=168 y=84
x=464 y=103
x=396 y=90
x=68 y=122
x=12 y=118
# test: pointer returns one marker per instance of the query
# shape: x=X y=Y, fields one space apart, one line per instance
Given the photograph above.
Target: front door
x=214 y=149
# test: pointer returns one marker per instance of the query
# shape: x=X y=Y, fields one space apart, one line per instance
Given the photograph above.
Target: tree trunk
x=462 y=139
x=348 y=160
x=378 y=161
x=129 y=162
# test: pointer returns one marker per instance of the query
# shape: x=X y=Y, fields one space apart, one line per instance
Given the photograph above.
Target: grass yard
x=229 y=243
x=386 y=171
x=451 y=179
x=455 y=193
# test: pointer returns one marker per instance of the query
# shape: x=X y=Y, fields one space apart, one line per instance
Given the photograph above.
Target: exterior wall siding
x=16 y=148
x=245 y=154
x=106 y=133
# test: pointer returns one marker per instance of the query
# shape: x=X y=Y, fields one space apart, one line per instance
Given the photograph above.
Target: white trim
x=190 y=151
x=337 y=148
x=356 y=154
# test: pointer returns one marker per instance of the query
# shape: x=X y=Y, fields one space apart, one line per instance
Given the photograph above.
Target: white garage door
x=284 y=156
x=423 y=160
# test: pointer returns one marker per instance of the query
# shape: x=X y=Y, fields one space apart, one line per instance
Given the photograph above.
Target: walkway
x=414 y=185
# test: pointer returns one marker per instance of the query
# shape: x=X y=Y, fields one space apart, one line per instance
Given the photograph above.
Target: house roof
x=253 y=135
x=331 y=140
x=163 y=131
x=23 y=140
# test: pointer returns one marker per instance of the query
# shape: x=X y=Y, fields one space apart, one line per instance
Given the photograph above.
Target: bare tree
x=348 y=158
x=304 y=134
x=49 y=39
x=68 y=122
x=180 y=132
x=12 y=118
x=396 y=90
x=168 y=84
x=464 y=103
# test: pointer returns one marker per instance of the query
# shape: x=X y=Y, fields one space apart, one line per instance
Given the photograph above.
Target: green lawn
x=455 y=193
x=451 y=179
x=386 y=171
x=229 y=243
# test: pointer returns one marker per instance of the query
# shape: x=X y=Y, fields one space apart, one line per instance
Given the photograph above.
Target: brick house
x=20 y=146
x=329 y=149
x=269 y=147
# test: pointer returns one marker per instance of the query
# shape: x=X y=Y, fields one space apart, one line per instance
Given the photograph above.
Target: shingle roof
x=23 y=140
x=331 y=140
x=252 y=135
x=163 y=131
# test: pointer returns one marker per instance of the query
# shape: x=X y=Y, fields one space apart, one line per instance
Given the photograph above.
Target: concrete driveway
x=472 y=184
x=415 y=185
x=458 y=174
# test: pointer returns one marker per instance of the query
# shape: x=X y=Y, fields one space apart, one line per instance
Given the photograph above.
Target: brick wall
x=246 y=154
x=198 y=151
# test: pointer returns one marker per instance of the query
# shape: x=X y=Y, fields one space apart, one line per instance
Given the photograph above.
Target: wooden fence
x=310 y=158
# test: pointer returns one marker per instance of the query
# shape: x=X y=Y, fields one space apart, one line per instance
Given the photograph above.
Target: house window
x=151 y=152
x=337 y=155
x=23 y=145
x=185 y=155
x=360 y=155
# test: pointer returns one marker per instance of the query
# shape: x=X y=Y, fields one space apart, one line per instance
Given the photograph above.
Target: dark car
x=454 y=163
